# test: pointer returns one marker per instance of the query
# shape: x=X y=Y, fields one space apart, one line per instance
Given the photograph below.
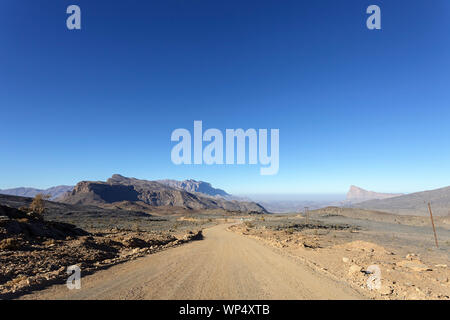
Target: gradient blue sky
x=370 y=108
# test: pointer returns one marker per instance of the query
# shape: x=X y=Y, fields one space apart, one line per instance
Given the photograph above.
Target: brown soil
x=35 y=253
x=343 y=252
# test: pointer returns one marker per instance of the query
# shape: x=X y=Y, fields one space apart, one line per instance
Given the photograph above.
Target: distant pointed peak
x=357 y=194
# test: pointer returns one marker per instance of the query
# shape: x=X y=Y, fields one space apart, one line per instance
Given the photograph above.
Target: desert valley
x=168 y=239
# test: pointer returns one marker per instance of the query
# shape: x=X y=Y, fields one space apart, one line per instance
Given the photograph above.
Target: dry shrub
x=38 y=203
x=248 y=224
x=290 y=230
x=10 y=244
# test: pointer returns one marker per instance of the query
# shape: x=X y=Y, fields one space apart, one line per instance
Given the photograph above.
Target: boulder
x=354 y=269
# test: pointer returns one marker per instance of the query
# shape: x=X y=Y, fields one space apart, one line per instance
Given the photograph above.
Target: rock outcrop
x=415 y=204
x=18 y=228
x=119 y=189
x=356 y=195
x=195 y=186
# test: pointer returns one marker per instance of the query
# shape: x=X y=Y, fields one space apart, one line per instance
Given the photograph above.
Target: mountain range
x=53 y=192
x=123 y=192
x=354 y=195
x=165 y=195
x=190 y=185
x=413 y=203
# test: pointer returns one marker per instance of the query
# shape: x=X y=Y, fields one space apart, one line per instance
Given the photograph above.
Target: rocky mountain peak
x=357 y=194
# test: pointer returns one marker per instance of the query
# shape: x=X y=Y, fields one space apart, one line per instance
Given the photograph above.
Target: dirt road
x=224 y=265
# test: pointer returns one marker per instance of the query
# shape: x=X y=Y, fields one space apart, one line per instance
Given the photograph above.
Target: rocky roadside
x=409 y=277
x=35 y=253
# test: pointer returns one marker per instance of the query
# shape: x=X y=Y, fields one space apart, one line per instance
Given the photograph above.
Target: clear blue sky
x=370 y=108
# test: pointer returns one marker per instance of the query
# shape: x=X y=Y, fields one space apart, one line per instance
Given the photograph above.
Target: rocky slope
x=380 y=216
x=35 y=252
x=122 y=190
x=357 y=194
x=347 y=250
x=414 y=203
x=62 y=212
x=18 y=228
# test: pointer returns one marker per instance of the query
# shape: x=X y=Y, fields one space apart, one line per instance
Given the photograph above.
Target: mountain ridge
x=54 y=192
x=192 y=185
x=413 y=203
x=147 y=193
x=356 y=195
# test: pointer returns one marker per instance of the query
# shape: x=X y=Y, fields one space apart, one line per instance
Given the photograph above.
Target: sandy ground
x=410 y=266
x=225 y=265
